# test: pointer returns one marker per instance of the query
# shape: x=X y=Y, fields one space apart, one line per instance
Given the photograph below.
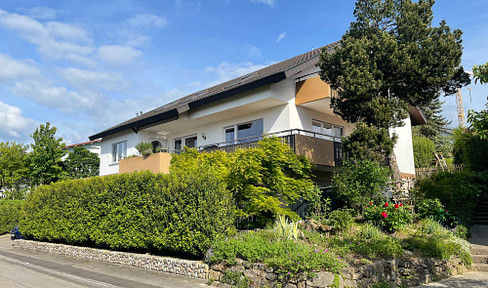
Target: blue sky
x=87 y=65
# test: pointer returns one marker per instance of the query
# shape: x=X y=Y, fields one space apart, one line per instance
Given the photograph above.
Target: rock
x=323 y=279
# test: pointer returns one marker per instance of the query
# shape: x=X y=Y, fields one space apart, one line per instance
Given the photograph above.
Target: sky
x=85 y=66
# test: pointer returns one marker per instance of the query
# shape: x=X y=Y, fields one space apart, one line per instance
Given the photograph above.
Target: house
x=287 y=99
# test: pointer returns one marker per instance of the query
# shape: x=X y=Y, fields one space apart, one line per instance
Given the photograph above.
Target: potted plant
x=144 y=148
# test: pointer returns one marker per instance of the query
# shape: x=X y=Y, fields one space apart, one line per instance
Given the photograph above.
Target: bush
x=179 y=213
x=287 y=257
x=264 y=180
x=433 y=240
x=144 y=148
x=423 y=151
x=340 y=219
x=359 y=182
x=10 y=214
x=457 y=191
x=388 y=216
x=470 y=150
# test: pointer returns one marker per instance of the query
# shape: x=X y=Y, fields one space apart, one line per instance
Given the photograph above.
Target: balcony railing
x=321 y=149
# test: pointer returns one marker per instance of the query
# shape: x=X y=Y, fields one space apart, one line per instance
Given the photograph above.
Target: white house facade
x=286 y=99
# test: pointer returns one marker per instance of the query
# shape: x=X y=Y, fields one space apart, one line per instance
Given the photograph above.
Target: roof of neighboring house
x=81 y=144
x=171 y=111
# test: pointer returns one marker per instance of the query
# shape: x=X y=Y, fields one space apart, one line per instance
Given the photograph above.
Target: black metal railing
x=286 y=137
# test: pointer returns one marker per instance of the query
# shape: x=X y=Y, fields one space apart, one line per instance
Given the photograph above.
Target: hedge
x=10 y=214
x=141 y=211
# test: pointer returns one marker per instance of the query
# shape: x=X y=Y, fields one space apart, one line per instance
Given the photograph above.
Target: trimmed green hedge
x=10 y=213
x=177 y=213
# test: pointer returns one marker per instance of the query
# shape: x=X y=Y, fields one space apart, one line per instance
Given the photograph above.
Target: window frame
x=183 y=141
x=116 y=157
x=332 y=129
x=236 y=130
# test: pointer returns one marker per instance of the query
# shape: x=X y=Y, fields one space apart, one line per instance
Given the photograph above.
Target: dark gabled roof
x=171 y=111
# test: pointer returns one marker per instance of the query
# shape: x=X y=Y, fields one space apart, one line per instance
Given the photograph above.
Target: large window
x=334 y=131
x=244 y=132
x=188 y=141
x=119 y=151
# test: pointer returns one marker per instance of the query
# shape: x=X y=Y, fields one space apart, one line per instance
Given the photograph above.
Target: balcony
x=321 y=149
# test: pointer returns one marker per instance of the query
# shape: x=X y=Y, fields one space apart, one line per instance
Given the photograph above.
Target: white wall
x=403 y=149
x=106 y=165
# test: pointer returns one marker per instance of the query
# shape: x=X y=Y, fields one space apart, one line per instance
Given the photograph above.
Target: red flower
x=386 y=204
x=396 y=206
x=384 y=215
x=370 y=203
x=401 y=204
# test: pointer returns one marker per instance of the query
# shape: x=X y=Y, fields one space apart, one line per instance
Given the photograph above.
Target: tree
x=436 y=123
x=369 y=142
x=480 y=73
x=12 y=169
x=423 y=151
x=81 y=163
x=45 y=162
x=391 y=57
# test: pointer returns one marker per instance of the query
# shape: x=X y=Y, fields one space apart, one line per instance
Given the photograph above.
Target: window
x=119 y=151
x=327 y=129
x=189 y=141
x=244 y=132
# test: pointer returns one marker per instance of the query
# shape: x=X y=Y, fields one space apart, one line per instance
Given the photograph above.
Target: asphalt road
x=21 y=269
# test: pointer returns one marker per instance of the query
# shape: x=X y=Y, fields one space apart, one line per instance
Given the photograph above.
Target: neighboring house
x=92 y=146
x=287 y=99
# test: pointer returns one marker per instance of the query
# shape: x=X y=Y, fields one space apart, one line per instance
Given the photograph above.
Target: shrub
x=144 y=148
x=388 y=216
x=181 y=214
x=359 y=182
x=470 y=150
x=287 y=257
x=457 y=191
x=433 y=240
x=340 y=219
x=264 y=180
x=428 y=208
x=423 y=151
x=10 y=214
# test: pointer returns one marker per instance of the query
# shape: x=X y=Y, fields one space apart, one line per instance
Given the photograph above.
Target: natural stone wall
x=408 y=271
x=194 y=269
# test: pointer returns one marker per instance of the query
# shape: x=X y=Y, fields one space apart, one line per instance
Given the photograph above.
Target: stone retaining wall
x=194 y=269
x=406 y=272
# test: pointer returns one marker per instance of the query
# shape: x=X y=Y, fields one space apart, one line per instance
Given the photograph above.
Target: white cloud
x=13 y=69
x=59 y=98
x=14 y=125
x=116 y=55
x=68 y=32
x=267 y=2
x=42 y=13
x=88 y=80
x=253 y=52
x=53 y=40
x=281 y=37
x=147 y=20
x=227 y=71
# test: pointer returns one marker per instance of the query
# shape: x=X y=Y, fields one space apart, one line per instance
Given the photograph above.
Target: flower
x=401 y=204
x=386 y=204
x=396 y=206
x=370 y=203
x=384 y=215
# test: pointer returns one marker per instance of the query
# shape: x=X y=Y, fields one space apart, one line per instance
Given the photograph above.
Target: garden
x=232 y=209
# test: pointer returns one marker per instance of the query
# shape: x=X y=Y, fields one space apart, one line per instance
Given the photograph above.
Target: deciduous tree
x=45 y=164
x=81 y=163
x=12 y=169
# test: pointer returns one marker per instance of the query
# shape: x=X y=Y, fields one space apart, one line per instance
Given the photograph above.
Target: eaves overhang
x=140 y=124
x=174 y=114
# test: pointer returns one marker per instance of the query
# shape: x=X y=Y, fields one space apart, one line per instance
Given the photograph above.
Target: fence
x=422 y=173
